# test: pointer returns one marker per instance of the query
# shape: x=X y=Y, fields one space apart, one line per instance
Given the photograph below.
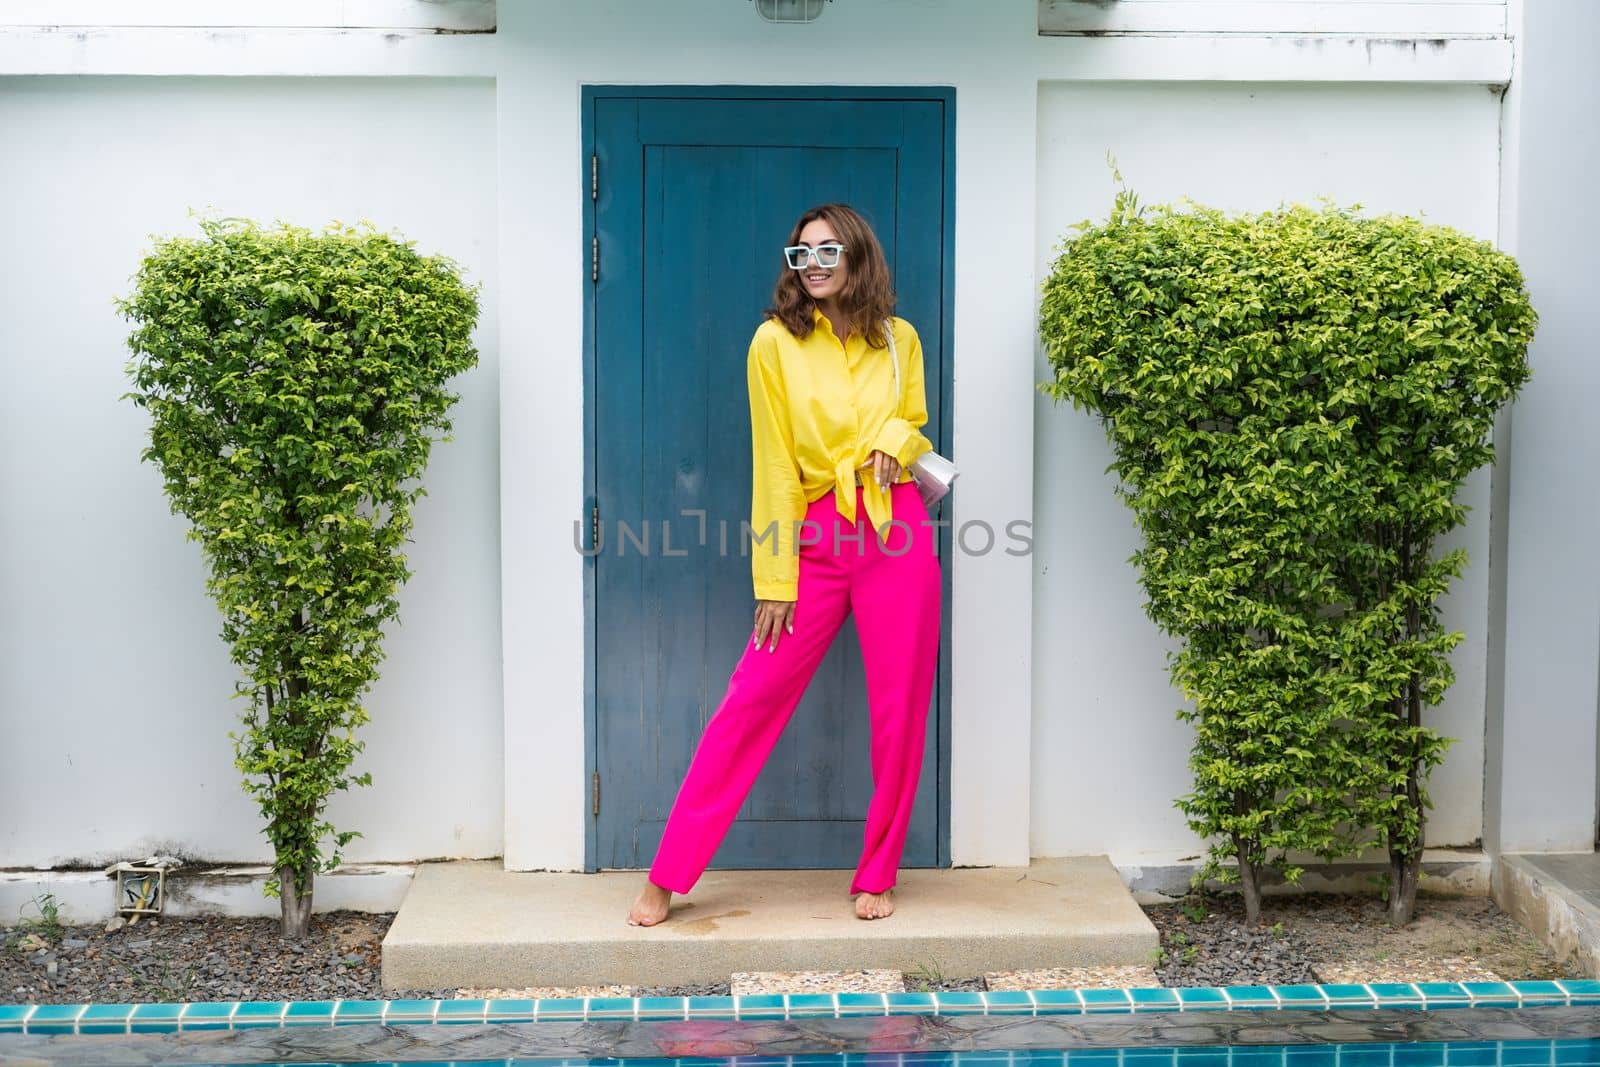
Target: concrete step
x=474 y=924
x=1557 y=896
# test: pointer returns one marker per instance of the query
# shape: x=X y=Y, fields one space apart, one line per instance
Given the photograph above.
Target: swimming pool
x=1570 y=1053
x=1527 y=1024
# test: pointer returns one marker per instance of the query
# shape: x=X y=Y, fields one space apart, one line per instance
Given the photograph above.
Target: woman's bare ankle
x=651 y=906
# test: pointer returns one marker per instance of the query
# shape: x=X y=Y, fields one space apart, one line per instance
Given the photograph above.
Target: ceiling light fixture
x=790 y=11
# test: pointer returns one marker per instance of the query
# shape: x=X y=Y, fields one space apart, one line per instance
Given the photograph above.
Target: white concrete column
x=1540 y=781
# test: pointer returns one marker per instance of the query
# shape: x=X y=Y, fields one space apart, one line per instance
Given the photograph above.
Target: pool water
x=1584 y=1052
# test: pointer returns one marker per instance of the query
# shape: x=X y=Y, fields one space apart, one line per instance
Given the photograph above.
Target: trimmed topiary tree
x=1293 y=399
x=293 y=380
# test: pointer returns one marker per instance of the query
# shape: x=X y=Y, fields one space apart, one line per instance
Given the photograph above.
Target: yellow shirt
x=818 y=410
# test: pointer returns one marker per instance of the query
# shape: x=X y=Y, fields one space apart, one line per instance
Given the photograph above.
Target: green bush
x=1293 y=399
x=292 y=381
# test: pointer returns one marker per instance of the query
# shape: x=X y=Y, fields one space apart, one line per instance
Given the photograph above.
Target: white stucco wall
x=1105 y=737
x=1060 y=699
x=114 y=684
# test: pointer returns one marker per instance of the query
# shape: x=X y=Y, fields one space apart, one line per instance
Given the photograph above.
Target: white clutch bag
x=933 y=473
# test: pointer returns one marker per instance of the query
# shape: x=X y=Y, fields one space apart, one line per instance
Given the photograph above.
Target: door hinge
x=594 y=177
x=594 y=260
x=594 y=529
x=597 y=792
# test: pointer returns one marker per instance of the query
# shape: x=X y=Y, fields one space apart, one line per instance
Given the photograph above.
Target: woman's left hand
x=885 y=468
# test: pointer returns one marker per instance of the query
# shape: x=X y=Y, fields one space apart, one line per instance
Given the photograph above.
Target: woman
x=831 y=442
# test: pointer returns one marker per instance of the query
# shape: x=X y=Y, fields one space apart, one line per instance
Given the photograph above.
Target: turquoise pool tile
x=1008 y=1002
x=1251 y=996
x=155 y=1018
x=712 y=1008
x=1300 y=996
x=1419 y=1054
x=1201 y=1056
x=1540 y=994
x=462 y=1011
x=1154 y=999
x=410 y=1011
x=1309 y=1056
x=1578 y=1053
x=910 y=1003
x=12 y=1016
x=309 y=1013
x=1581 y=991
x=673 y=1007
x=1527 y=1053
x=561 y=1009
x=811 y=1005
x=1443 y=994
x=1493 y=993
x=1346 y=994
x=1058 y=1001
x=1150 y=1057
x=54 y=1018
x=1395 y=994
x=959 y=1003
x=512 y=1010
x=208 y=1015
x=105 y=1019
x=1257 y=1057
x=1471 y=1054
x=611 y=1008
x=862 y=1004
x=1107 y=1000
x=1200 y=998
x=359 y=1011
x=1365 y=1055
x=259 y=1013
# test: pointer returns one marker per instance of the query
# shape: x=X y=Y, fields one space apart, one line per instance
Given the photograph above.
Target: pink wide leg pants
x=893 y=588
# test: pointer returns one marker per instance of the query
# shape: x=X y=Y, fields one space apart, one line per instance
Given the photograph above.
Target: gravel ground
x=1299 y=933
x=198 y=959
x=244 y=959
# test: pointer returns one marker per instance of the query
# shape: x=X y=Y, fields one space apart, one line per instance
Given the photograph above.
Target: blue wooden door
x=693 y=197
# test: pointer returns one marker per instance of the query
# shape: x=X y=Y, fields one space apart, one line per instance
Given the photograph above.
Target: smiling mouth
x=817 y=279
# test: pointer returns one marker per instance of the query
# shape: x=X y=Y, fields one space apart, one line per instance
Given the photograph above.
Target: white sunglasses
x=826 y=255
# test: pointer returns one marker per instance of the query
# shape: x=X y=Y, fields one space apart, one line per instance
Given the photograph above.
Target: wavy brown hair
x=868 y=294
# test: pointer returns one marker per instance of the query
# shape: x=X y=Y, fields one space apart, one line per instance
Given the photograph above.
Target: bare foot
x=875 y=905
x=651 y=906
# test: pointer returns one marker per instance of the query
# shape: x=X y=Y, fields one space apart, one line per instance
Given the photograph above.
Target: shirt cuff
x=901 y=440
x=777 y=590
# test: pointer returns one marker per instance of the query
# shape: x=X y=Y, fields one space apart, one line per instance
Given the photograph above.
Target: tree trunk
x=1249 y=883
x=296 y=915
x=1405 y=863
x=1404 y=872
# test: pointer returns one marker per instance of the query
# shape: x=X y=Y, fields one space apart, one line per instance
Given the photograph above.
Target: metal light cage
x=790 y=11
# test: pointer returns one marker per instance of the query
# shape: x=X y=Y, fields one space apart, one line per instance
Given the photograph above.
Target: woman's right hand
x=771 y=617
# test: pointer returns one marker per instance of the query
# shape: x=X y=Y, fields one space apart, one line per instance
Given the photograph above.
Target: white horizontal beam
x=1376 y=18
x=455 y=15
x=246 y=52
x=1278 y=58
